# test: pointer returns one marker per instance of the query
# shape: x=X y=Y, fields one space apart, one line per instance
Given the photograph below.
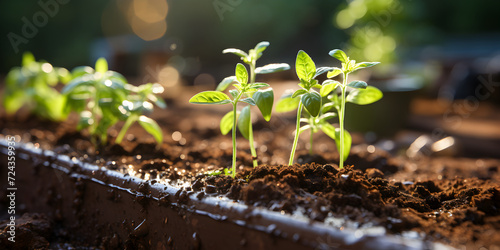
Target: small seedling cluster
x=319 y=106
x=101 y=97
x=245 y=124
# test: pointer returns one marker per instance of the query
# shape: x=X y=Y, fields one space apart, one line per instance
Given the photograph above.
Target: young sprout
x=103 y=97
x=244 y=120
x=32 y=85
x=359 y=93
x=136 y=105
x=242 y=93
x=306 y=97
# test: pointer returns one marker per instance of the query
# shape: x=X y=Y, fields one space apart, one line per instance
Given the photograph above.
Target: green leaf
x=334 y=100
x=249 y=100
x=114 y=84
x=241 y=74
x=63 y=75
x=347 y=142
x=272 y=68
x=327 y=116
x=259 y=85
x=137 y=107
x=28 y=58
x=152 y=128
x=101 y=65
x=81 y=70
x=210 y=97
x=226 y=123
x=327 y=107
x=260 y=47
x=85 y=120
x=244 y=122
x=314 y=84
x=364 y=96
x=304 y=84
x=85 y=80
x=304 y=66
x=363 y=65
x=328 y=129
x=335 y=72
x=102 y=127
x=358 y=84
x=157 y=101
x=286 y=104
x=77 y=102
x=334 y=133
x=328 y=86
x=225 y=83
x=117 y=77
x=322 y=70
x=234 y=93
x=14 y=101
x=340 y=55
x=299 y=92
x=237 y=52
x=264 y=98
x=312 y=103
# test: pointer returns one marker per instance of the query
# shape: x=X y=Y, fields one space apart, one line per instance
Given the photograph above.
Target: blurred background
x=440 y=69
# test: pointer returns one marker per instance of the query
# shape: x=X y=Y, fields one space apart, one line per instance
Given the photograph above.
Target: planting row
x=102 y=98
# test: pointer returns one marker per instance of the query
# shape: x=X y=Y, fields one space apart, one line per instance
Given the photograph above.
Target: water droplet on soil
x=196 y=241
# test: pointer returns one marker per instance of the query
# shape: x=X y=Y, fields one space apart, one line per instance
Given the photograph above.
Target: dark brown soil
x=448 y=200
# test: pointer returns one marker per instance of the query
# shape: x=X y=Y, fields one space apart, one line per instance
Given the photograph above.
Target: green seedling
x=306 y=97
x=319 y=106
x=32 y=85
x=141 y=103
x=103 y=97
x=359 y=93
x=244 y=91
x=249 y=58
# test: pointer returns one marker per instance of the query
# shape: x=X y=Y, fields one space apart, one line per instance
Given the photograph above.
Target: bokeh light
x=168 y=76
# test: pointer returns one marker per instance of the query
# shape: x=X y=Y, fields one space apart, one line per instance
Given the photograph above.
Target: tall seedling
x=319 y=105
x=306 y=97
x=245 y=119
x=242 y=92
x=359 y=93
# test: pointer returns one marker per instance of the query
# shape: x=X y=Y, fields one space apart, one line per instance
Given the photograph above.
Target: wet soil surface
x=455 y=201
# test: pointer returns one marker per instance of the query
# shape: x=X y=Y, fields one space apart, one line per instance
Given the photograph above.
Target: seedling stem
x=297 y=132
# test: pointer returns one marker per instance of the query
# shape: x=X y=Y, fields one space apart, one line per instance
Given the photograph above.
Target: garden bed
x=137 y=195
